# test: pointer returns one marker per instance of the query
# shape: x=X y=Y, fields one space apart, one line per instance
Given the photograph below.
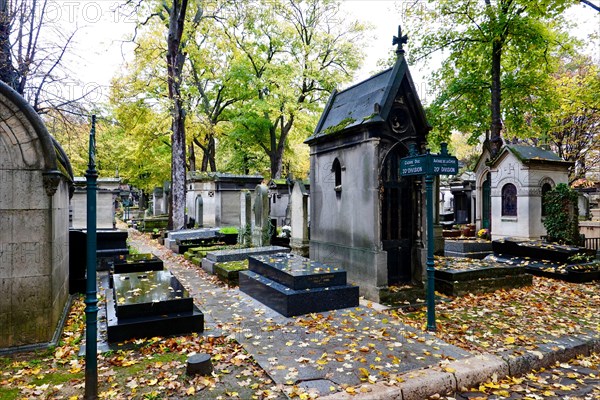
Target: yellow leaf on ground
x=509 y=340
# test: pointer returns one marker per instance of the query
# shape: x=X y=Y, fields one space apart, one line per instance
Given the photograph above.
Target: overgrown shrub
x=561 y=221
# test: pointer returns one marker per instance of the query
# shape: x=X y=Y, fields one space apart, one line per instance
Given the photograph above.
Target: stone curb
x=473 y=371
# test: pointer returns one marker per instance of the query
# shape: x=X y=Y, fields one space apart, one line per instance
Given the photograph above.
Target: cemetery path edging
x=473 y=371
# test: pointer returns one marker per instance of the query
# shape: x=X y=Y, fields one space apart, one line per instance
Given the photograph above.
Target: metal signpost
x=429 y=165
x=91 y=299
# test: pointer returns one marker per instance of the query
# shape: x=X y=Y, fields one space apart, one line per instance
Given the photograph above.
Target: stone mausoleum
x=510 y=189
x=213 y=198
x=35 y=183
x=365 y=217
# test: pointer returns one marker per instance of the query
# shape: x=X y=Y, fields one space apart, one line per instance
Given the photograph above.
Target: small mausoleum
x=213 y=198
x=510 y=189
x=35 y=185
x=365 y=217
x=106 y=195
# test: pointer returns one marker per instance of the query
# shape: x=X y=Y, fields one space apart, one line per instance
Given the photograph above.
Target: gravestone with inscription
x=35 y=182
x=294 y=285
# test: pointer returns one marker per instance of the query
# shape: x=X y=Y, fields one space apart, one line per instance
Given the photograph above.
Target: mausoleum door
x=199 y=211
x=397 y=208
x=486 y=203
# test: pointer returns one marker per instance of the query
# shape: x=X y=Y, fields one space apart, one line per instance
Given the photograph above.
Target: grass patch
x=229 y=230
x=57 y=378
x=233 y=265
x=8 y=394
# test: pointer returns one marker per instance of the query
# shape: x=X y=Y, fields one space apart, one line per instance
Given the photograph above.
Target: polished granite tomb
x=137 y=263
x=294 y=285
x=151 y=303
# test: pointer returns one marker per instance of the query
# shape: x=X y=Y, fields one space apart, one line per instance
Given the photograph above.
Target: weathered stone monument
x=365 y=217
x=261 y=232
x=35 y=181
x=510 y=189
x=108 y=190
x=245 y=218
x=299 y=216
x=212 y=198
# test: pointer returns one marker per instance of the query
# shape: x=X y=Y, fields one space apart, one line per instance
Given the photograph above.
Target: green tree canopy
x=500 y=59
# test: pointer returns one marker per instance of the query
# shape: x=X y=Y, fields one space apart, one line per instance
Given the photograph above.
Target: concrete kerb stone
x=479 y=369
x=547 y=354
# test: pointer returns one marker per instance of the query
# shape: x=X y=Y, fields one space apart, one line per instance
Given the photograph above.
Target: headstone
x=157 y=201
x=299 y=215
x=294 y=285
x=35 y=180
x=245 y=218
x=261 y=233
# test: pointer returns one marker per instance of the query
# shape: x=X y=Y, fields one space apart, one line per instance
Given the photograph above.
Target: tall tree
x=32 y=51
x=175 y=60
x=575 y=129
x=500 y=55
x=297 y=52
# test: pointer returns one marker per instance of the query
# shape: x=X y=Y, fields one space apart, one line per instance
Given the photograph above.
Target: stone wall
x=345 y=221
x=35 y=179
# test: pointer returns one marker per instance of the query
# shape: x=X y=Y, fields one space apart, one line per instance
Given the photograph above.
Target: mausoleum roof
x=370 y=102
x=532 y=154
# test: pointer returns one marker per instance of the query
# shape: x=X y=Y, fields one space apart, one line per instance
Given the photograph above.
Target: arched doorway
x=398 y=219
x=486 y=203
x=199 y=211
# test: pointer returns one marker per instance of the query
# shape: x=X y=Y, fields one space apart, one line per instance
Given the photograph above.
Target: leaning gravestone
x=261 y=234
x=35 y=181
x=299 y=216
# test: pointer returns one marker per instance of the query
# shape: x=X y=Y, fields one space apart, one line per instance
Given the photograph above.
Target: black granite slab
x=574 y=273
x=538 y=249
x=171 y=323
x=290 y=302
x=137 y=263
x=296 y=272
x=479 y=273
x=149 y=293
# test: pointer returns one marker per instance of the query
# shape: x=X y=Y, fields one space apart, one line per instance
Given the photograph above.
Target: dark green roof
x=532 y=154
x=370 y=102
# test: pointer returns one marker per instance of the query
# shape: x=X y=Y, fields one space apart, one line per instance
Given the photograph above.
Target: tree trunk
x=496 y=125
x=192 y=158
x=175 y=60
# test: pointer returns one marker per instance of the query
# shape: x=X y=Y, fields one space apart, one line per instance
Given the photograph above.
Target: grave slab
x=296 y=272
x=218 y=256
x=149 y=293
x=289 y=302
x=137 y=263
x=467 y=248
x=147 y=304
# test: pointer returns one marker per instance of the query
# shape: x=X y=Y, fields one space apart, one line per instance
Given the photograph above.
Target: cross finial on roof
x=399 y=40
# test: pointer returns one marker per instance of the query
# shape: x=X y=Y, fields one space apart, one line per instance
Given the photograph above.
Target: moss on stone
x=343 y=124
